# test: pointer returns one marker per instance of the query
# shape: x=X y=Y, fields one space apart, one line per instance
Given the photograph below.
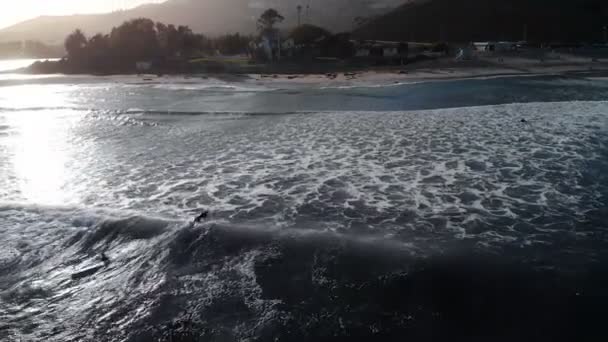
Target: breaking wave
x=484 y=222
x=169 y=280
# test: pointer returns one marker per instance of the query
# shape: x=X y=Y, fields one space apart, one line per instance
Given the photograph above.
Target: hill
x=211 y=17
x=29 y=49
x=483 y=20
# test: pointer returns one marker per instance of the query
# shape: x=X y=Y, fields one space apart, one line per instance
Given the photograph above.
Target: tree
x=98 y=44
x=75 y=44
x=193 y=43
x=268 y=19
x=173 y=41
x=162 y=35
x=135 y=40
x=338 y=46
x=184 y=40
x=232 y=44
x=308 y=34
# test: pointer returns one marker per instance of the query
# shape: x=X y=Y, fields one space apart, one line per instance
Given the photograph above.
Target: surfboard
x=87 y=272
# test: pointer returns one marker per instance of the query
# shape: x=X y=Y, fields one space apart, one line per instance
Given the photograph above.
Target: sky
x=20 y=10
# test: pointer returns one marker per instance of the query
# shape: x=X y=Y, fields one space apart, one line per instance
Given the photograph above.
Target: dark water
x=416 y=212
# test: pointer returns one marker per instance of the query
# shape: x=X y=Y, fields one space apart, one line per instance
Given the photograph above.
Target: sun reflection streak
x=35 y=96
x=40 y=157
x=39 y=144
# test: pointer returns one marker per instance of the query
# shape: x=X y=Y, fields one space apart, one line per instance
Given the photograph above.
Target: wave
x=212 y=113
x=355 y=254
x=167 y=279
x=220 y=88
x=9 y=256
x=169 y=112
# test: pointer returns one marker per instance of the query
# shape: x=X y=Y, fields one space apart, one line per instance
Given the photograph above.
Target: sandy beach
x=449 y=68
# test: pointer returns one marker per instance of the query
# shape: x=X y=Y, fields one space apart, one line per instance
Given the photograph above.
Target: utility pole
x=299 y=15
x=308 y=13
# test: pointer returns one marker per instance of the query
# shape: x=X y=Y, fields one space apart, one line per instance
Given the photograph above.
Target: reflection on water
x=35 y=96
x=12 y=64
x=15 y=77
x=40 y=148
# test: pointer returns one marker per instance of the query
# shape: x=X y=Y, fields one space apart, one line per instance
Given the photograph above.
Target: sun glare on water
x=40 y=159
x=40 y=147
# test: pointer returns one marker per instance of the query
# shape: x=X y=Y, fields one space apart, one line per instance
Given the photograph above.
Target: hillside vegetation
x=477 y=20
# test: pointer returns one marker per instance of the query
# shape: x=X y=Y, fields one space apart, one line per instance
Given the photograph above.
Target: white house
x=271 y=44
x=391 y=51
x=143 y=66
x=362 y=52
x=382 y=49
x=267 y=48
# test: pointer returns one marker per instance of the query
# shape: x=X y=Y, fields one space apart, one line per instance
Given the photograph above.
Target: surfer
x=202 y=216
x=105 y=259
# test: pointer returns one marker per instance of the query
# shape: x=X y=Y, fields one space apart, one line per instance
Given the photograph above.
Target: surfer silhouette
x=201 y=217
x=105 y=259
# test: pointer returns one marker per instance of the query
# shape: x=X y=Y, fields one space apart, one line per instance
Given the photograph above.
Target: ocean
x=435 y=210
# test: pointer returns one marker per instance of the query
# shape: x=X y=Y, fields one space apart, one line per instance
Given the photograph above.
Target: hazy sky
x=20 y=10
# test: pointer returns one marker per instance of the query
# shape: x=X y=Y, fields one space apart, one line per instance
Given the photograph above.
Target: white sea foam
x=85 y=175
x=346 y=169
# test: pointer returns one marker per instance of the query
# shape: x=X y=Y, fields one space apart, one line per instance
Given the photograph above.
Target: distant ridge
x=482 y=20
x=211 y=17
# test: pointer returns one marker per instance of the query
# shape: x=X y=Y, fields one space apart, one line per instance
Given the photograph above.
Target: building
x=288 y=47
x=465 y=54
x=496 y=46
x=381 y=49
x=143 y=66
x=270 y=45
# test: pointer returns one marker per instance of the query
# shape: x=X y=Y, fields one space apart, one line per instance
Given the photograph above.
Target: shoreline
x=443 y=69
